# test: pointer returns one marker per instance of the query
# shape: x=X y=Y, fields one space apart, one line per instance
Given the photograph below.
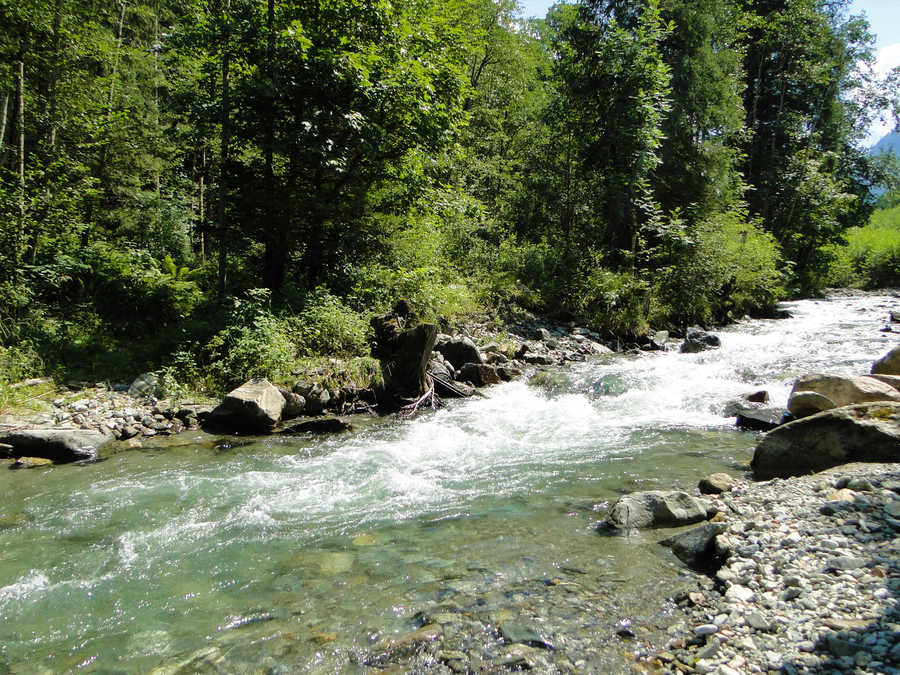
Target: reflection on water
x=299 y=553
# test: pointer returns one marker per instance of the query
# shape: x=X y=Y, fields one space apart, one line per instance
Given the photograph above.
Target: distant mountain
x=887 y=144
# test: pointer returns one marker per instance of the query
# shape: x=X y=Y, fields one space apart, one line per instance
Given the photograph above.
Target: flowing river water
x=303 y=554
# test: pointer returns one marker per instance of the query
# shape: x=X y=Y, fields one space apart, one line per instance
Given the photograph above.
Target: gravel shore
x=810 y=585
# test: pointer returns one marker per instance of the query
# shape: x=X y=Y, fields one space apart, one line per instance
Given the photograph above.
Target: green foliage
x=254 y=343
x=871 y=256
x=327 y=326
x=19 y=363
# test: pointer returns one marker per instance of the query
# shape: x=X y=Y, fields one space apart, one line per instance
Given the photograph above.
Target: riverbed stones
x=889 y=364
x=256 y=406
x=868 y=432
x=826 y=603
x=657 y=508
x=58 y=445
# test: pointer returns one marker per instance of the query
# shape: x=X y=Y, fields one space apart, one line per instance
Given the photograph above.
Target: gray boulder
x=839 y=390
x=59 y=445
x=293 y=404
x=696 y=548
x=806 y=403
x=893 y=380
x=256 y=406
x=459 y=350
x=889 y=364
x=479 y=374
x=867 y=432
x=144 y=385
x=657 y=508
x=698 y=340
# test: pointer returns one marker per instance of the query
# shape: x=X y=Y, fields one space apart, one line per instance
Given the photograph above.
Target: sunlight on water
x=148 y=556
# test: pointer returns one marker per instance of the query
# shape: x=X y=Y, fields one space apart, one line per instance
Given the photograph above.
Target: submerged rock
x=867 y=432
x=657 y=508
x=255 y=406
x=326 y=425
x=59 y=445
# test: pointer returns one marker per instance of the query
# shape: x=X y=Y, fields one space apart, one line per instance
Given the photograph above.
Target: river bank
x=461 y=539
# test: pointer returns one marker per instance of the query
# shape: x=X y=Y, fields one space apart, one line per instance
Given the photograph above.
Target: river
x=287 y=555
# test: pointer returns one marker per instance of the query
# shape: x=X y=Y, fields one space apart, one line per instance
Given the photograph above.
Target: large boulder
x=459 y=351
x=889 y=364
x=256 y=406
x=657 y=508
x=867 y=432
x=403 y=349
x=837 y=389
x=59 y=445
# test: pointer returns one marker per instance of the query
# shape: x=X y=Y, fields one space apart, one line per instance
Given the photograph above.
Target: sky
x=884 y=19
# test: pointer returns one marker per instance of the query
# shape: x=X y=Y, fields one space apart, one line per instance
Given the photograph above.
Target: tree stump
x=403 y=349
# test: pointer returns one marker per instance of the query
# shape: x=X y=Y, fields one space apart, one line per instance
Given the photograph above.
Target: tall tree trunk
x=223 y=152
x=3 y=108
x=110 y=94
x=274 y=258
x=202 y=221
x=20 y=124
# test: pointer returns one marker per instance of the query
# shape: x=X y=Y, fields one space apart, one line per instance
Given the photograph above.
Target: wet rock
x=868 y=432
x=59 y=445
x=889 y=364
x=840 y=391
x=806 y=403
x=459 y=351
x=761 y=419
x=716 y=484
x=539 y=359
x=761 y=396
x=326 y=425
x=30 y=463
x=293 y=404
x=657 y=509
x=514 y=631
x=699 y=340
x=255 y=406
x=696 y=547
x=479 y=374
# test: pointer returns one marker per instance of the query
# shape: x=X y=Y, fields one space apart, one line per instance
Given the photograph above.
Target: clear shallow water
x=299 y=553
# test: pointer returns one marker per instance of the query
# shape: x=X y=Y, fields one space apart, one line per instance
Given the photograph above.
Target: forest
x=220 y=189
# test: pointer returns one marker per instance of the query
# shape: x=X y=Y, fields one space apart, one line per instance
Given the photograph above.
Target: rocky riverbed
x=811 y=582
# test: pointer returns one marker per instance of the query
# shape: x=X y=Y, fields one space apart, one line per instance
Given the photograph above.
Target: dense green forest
x=217 y=188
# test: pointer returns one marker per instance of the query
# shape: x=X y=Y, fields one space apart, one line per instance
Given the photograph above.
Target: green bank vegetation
x=224 y=188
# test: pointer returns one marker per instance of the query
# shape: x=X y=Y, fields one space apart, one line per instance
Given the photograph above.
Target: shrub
x=871 y=256
x=328 y=326
x=254 y=343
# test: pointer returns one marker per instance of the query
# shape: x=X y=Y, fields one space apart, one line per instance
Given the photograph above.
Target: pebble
x=811 y=580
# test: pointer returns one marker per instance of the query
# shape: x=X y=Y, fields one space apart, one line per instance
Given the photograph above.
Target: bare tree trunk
x=20 y=123
x=104 y=148
x=224 y=151
x=3 y=109
x=203 y=205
